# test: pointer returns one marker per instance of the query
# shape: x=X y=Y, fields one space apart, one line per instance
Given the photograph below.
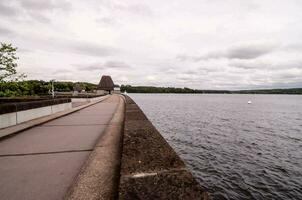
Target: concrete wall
x=150 y=168
x=60 y=107
x=10 y=119
x=88 y=100
x=116 y=92
x=26 y=115
x=101 y=92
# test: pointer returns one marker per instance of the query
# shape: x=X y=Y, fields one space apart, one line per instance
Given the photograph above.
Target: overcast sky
x=203 y=44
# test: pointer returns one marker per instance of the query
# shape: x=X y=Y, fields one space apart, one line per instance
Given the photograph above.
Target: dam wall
x=150 y=168
x=132 y=161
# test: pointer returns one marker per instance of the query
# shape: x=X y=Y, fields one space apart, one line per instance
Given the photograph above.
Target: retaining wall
x=150 y=168
x=15 y=113
x=88 y=100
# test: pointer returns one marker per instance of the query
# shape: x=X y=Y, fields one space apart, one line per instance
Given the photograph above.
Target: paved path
x=42 y=162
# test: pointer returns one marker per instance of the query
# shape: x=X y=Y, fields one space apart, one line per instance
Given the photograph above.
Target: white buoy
x=249 y=102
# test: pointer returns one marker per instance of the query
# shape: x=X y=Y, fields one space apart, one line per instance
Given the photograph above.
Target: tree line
x=271 y=91
x=151 y=89
x=40 y=87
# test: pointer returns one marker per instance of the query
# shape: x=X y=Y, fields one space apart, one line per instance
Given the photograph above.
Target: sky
x=200 y=44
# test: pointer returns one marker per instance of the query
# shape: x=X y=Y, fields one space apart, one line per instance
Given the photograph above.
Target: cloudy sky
x=203 y=44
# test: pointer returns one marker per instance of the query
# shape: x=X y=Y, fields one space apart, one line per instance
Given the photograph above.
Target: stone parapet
x=9 y=106
x=150 y=168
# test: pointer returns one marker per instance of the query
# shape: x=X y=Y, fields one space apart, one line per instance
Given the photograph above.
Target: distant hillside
x=151 y=89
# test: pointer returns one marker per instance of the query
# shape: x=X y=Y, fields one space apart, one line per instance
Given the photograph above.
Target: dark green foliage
x=150 y=89
x=271 y=91
x=36 y=87
x=8 y=62
x=63 y=86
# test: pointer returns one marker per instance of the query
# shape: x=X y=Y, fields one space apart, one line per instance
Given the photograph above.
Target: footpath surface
x=43 y=162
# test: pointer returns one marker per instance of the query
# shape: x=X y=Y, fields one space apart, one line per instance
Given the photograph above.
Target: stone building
x=106 y=85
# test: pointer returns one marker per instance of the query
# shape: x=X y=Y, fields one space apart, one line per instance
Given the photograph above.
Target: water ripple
x=234 y=149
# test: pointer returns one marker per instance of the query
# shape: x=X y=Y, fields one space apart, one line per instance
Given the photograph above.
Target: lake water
x=235 y=150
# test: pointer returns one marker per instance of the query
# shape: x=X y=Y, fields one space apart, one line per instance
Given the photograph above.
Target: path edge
x=99 y=176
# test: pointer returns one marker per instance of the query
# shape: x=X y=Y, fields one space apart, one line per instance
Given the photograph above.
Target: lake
x=234 y=149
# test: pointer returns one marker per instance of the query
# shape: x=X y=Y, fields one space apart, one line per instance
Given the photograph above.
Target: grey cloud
x=116 y=64
x=184 y=78
x=293 y=47
x=45 y=5
x=169 y=70
x=125 y=7
x=183 y=57
x=71 y=46
x=209 y=69
x=250 y=51
x=288 y=75
x=190 y=72
x=297 y=84
x=36 y=9
x=247 y=64
x=39 y=17
x=212 y=55
x=247 y=6
x=25 y=50
x=138 y=9
x=241 y=52
x=7 y=32
x=62 y=71
x=107 y=21
x=89 y=67
x=102 y=66
x=265 y=64
x=6 y=9
x=65 y=77
x=175 y=28
x=90 y=49
x=198 y=72
x=245 y=51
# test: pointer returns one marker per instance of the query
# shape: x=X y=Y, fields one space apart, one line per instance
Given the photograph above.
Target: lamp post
x=52 y=88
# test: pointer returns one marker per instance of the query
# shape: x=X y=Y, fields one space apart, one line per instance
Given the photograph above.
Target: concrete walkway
x=42 y=162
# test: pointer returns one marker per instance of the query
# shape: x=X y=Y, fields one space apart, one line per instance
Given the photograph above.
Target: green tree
x=8 y=62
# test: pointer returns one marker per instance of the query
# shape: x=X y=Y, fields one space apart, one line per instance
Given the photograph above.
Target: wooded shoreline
x=40 y=87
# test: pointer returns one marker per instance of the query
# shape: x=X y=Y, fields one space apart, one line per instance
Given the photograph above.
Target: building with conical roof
x=106 y=85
